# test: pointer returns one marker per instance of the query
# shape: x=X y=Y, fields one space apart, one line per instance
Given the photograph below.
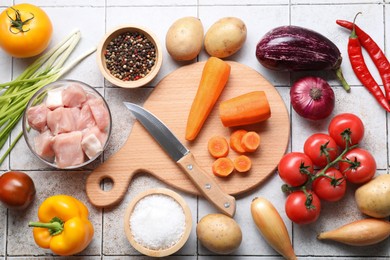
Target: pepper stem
x=55 y=226
x=353 y=32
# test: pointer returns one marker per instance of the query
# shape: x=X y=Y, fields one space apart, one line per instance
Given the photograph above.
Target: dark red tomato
x=361 y=166
x=330 y=188
x=303 y=210
x=294 y=168
x=318 y=146
x=344 y=123
x=17 y=190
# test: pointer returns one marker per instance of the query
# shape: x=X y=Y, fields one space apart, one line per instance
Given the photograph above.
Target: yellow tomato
x=25 y=30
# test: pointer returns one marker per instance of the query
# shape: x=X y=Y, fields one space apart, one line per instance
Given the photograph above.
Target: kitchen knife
x=207 y=186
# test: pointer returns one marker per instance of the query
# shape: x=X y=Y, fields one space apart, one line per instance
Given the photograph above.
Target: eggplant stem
x=340 y=76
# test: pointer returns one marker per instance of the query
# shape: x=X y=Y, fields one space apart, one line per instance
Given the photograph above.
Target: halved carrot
x=218 y=146
x=214 y=77
x=249 y=108
x=223 y=167
x=250 y=141
x=235 y=140
x=242 y=163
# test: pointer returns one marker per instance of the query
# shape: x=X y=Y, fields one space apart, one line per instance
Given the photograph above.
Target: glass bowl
x=67 y=124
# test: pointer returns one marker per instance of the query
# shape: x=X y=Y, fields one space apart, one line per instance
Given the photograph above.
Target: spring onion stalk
x=14 y=95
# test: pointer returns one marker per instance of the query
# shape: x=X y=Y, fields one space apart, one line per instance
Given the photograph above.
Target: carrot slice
x=250 y=141
x=218 y=146
x=235 y=140
x=223 y=167
x=242 y=163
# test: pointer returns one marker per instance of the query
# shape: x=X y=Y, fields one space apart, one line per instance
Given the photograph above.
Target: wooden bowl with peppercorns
x=129 y=56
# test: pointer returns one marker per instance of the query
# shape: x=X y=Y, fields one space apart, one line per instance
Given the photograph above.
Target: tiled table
x=94 y=17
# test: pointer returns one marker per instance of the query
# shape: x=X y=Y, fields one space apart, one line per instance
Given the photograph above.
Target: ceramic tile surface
x=94 y=18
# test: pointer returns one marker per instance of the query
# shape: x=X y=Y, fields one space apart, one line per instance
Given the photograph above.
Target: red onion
x=312 y=98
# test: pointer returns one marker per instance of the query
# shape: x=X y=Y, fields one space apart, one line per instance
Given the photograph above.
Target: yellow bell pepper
x=63 y=225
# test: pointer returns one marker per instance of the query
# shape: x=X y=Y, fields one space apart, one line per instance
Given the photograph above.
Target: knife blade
x=207 y=186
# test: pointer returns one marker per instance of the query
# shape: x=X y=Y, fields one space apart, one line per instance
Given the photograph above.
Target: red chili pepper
x=361 y=71
x=375 y=52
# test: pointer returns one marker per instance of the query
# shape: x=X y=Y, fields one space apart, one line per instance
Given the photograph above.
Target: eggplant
x=294 y=48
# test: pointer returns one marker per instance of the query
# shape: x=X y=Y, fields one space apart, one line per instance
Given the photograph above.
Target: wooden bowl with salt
x=158 y=222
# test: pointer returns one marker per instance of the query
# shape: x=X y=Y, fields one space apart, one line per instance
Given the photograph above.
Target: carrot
x=223 y=167
x=242 y=163
x=250 y=141
x=218 y=146
x=235 y=140
x=215 y=75
x=246 y=109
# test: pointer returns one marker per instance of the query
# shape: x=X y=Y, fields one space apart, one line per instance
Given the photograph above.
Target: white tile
x=150 y=3
x=5 y=3
x=3 y=228
x=305 y=241
x=61 y=3
x=258 y=22
x=371 y=21
x=245 y=2
x=20 y=238
x=117 y=16
x=113 y=229
x=332 y=2
x=252 y=242
x=372 y=118
x=82 y=18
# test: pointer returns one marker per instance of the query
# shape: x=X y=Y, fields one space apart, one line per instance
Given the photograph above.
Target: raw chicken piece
x=61 y=120
x=91 y=145
x=54 y=98
x=37 y=116
x=43 y=145
x=99 y=112
x=102 y=136
x=74 y=96
x=85 y=119
x=67 y=149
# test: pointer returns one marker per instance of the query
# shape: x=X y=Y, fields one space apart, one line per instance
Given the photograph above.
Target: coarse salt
x=157 y=222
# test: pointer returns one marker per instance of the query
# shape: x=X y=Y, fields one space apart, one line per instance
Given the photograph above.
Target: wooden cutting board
x=171 y=101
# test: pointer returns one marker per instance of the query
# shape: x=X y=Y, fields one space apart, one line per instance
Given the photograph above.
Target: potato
x=219 y=233
x=184 y=39
x=225 y=37
x=372 y=198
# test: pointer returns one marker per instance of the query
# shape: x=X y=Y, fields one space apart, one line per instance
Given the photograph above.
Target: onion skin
x=359 y=233
x=312 y=98
x=271 y=226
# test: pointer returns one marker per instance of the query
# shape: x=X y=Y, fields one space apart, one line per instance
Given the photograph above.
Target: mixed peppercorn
x=130 y=56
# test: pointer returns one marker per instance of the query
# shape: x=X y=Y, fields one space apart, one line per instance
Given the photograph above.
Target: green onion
x=14 y=95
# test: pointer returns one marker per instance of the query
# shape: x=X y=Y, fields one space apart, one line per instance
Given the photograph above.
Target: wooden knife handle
x=208 y=186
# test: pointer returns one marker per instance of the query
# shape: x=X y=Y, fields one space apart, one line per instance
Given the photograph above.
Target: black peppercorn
x=130 y=56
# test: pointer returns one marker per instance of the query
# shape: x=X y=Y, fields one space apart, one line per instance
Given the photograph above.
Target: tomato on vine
x=358 y=165
x=331 y=187
x=25 y=30
x=321 y=148
x=346 y=126
x=294 y=168
x=303 y=208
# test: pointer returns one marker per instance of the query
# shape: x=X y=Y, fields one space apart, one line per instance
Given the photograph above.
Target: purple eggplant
x=294 y=48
